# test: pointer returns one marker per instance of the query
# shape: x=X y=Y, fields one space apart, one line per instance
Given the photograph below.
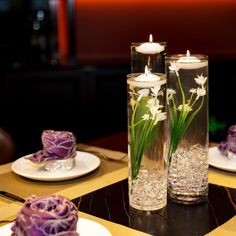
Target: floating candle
x=147 y=76
x=150 y=47
x=191 y=62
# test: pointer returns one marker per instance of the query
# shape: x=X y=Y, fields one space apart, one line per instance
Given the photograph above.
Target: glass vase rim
x=177 y=56
x=144 y=84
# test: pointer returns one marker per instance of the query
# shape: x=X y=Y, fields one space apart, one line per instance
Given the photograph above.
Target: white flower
x=143 y=92
x=193 y=90
x=160 y=116
x=186 y=107
x=153 y=102
x=154 y=106
x=174 y=67
x=169 y=94
x=200 y=80
x=154 y=110
x=155 y=90
x=200 y=92
x=146 y=117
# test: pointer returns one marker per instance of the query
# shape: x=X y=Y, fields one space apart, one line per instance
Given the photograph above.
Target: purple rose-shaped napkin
x=46 y=216
x=232 y=130
x=230 y=144
x=57 y=145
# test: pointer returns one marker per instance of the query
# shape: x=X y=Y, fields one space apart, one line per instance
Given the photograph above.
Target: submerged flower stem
x=183 y=101
x=190 y=99
x=132 y=121
x=137 y=123
x=181 y=90
x=193 y=115
x=175 y=110
x=138 y=157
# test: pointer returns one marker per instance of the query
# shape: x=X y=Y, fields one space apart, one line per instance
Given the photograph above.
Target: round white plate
x=84 y=163
x=84 y=228
x=220 y=161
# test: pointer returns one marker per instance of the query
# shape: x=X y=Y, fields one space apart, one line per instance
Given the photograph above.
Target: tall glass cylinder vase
x=187 y=101
x=147 y=150
x=149 y=53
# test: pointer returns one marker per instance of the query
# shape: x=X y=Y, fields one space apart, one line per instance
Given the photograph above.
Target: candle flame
x=188 y=53
x=150 y=38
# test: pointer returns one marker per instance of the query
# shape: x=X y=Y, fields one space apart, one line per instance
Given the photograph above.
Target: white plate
x=84 y=163
x=220 y=161
x=84 y=228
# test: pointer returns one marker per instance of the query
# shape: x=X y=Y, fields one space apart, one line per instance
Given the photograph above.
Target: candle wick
x=149 y=61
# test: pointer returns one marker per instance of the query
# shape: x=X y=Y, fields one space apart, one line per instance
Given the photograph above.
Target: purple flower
x=230 y=144
x=231 y=138
x=46 y=216
x=232 y=130
x=57 y=145
x=223 y=147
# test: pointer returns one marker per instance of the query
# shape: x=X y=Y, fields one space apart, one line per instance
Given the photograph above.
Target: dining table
x=102 y=196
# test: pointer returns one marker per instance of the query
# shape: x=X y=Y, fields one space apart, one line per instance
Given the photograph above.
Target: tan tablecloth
x=8 y=210
x=227 y=229
x=223 y=178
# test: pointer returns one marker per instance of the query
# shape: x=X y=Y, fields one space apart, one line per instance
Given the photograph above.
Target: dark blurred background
x=63 y=63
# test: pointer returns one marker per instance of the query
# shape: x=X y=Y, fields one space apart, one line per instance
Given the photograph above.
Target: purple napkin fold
x=57 y=145
x=230 y=144
x=46 y=216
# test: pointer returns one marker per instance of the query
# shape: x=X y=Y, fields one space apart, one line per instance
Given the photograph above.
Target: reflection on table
x=111 y=203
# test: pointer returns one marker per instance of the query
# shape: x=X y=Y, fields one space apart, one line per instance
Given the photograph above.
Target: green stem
x=181 y=90
x=137 y=123
x=132 y=121
x=193 y=115
x=138 y=156
x=190 y=99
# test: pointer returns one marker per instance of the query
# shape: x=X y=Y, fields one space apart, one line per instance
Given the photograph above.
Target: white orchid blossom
x=200 y=92
x=154 y=110
x=193 y=90
x=201 y=80
x=152 y=102
x=155 y=90
x=169 y=94
x=160 y=116
x=154 y=106
x=146 y=117
x=143 y=93
x=174 y=66
x=184 y=107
